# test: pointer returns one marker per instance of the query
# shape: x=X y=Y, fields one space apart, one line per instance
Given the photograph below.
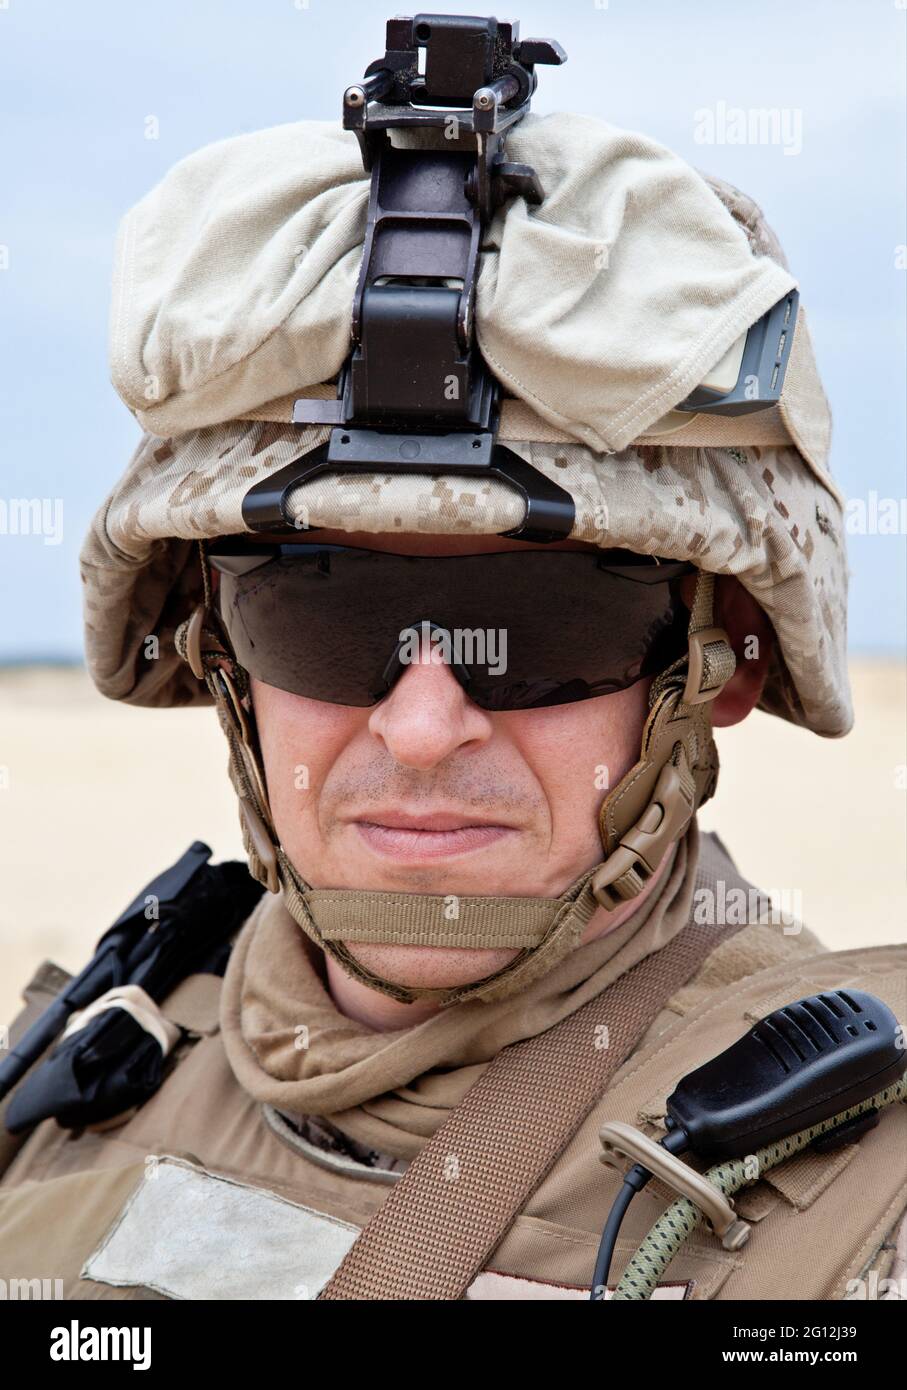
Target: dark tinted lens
x=525 y=629
x=309 y=625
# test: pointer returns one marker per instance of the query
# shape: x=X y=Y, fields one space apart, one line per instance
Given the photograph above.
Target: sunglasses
x=519 y=629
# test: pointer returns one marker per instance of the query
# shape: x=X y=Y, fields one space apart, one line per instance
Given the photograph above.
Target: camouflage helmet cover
x=749 y=496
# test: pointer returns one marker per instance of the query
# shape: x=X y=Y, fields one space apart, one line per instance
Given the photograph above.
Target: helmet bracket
x=415 y=394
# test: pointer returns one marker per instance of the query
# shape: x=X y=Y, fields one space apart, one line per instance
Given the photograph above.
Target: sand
x=101 y=797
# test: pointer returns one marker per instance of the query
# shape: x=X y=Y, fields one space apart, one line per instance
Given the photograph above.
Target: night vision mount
x=415 y=393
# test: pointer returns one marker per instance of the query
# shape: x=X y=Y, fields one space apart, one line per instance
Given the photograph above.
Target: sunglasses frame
x=237 y=556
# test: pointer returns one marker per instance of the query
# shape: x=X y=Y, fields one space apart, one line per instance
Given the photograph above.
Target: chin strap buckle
x=670 y=810
x=711 y=664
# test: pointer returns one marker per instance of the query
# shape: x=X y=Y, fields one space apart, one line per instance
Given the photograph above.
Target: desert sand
x=97 y=798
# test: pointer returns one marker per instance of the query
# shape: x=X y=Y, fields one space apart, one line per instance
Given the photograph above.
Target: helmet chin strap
x=640 y=818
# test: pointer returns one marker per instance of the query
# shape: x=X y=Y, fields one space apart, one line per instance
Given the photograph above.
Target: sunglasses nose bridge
x=408 y=650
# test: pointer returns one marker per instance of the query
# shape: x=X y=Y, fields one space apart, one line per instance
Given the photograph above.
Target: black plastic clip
x=760 y=378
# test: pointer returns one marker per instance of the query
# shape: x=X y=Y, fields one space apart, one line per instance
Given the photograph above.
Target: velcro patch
x=187 y=1233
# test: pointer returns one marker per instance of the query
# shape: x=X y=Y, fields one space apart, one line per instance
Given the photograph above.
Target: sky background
x=78 y=82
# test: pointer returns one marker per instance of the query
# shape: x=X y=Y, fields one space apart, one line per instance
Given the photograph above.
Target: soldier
x=570 y=511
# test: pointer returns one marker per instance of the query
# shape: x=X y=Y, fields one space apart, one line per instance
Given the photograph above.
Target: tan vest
x=204 y=1193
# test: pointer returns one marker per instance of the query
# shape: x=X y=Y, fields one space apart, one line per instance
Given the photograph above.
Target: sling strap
x=462 y=1192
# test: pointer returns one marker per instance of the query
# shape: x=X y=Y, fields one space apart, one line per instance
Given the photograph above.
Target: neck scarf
x=290 y=1046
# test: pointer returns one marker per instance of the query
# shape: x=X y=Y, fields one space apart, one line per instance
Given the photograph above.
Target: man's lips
x=426 y=835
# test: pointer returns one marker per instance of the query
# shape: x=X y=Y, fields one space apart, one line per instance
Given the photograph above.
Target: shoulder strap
x=462 y=1192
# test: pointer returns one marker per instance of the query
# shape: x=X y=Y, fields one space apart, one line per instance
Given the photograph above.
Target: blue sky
x=77 y=82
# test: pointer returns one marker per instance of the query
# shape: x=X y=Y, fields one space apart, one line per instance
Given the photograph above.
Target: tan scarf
x=290 y=1047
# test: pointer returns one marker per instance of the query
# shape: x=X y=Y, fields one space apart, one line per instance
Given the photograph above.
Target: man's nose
x=427 y=715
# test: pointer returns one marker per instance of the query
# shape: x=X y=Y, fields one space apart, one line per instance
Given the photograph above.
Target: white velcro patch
x=187 y=1233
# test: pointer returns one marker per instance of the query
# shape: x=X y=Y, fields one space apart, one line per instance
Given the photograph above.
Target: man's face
x=427 y=793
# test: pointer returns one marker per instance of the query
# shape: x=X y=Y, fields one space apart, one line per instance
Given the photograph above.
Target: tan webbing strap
x=521 y=923
x=462 y=1192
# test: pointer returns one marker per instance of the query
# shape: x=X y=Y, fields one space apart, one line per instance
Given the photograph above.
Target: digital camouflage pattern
x=757 y=513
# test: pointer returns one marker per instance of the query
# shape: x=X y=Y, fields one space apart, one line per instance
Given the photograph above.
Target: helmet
x=603 y=317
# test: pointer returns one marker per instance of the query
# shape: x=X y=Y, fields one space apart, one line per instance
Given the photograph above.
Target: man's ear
x=752 y=639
